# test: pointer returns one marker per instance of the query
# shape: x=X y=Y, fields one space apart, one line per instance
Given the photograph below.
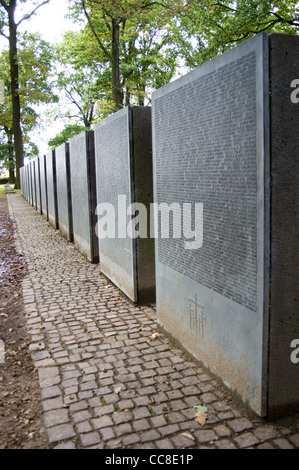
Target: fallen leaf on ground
x=155 y=335
x=188 y=436
x=201 y=415
x=201 y=418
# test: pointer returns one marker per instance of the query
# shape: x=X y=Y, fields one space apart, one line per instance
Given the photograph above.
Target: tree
x=78 y=78
x=8 y=29
x=130 y=37
x=34 y=87
x=67 y=133
x=209 y=28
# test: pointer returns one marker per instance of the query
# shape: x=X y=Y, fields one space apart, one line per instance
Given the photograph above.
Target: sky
x=51 y=22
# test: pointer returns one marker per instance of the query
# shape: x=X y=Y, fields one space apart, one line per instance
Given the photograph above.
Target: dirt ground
x=21 y=425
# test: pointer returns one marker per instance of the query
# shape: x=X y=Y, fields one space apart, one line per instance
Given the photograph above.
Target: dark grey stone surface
x=124 y=170
x=33 y=177
x=82 y=170
x=30 y=180
x=43 y=185
x=52 y=188
x=64 y=199
x=209 y=130
x=226 y=135
x=26 y=181
x=37 y=185
x=284 y=277
x=23 y=181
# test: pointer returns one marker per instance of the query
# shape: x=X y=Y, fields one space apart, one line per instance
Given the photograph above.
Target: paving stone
x=52 y=404
x=142 y=412
x=265 y=446
x=52 y=418
x=61 y=433
x=266 y=432
x=282 y=443
x=141 y=425
x=149 y=436
x=81 y=405
x=295 y=440
x=131 y=439
x=222 y=430
x=247 y=439
x=81 y=416
x=240 y=424
x=122 y=417
x=90 y=439
x=158 y=421
x=51 y=392
x=205 y=435
x=103 y=410
x=125 y=404
x=167 y=430
x=83 y=427
x=103 y=422
x=107 y=434
x=65 y=446
x=225 y=444
x=164 y=444
x=182 y=442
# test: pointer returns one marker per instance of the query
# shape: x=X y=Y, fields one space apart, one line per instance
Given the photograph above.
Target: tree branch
x=74 y=101
x=26 y=17
x=5 y=5
x=4 y=35
x=94 y=31
x=294 y=22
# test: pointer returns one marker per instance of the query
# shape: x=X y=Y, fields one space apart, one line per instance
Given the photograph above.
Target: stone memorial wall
x=31 y=183
x=82 y=172
x=64 y=196
x=23 y=182
x=219 y=255
x=52 y=188
x=211 y=146
x=33 y=178
x=37 y=185
x=44 y=188
x=124 y=176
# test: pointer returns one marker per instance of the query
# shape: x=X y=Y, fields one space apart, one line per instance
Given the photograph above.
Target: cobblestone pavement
x=109 y=378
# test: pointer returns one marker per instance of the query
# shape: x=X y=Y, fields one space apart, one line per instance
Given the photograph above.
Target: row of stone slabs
x=67 y=185
x=226 y=136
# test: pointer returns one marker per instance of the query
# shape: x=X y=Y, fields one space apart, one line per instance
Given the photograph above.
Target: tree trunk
x=11 y=167
x=141 y=97
x=15 y=98
x=116 y=88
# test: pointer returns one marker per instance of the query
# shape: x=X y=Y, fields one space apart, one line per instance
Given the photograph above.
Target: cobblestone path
x=108 y=377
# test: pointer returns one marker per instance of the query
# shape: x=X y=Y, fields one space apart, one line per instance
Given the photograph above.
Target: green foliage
x=130 y=43
x=35 y=87
x=68 y=132
x=209 y=28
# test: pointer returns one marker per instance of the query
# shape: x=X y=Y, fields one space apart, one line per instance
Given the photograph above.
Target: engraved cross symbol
x=197 y=317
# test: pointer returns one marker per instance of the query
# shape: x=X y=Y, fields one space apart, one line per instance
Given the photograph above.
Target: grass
x=2 y=189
